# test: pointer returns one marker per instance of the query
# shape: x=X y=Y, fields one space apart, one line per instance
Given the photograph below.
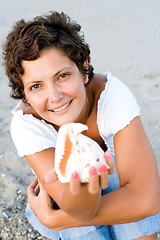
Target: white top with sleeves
x=117 y=107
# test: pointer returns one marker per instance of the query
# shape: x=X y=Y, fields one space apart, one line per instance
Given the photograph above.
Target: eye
x=35 y=86
x=62 y=76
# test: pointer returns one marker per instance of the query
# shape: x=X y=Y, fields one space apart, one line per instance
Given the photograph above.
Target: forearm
x=83 y=206
x=120 y=206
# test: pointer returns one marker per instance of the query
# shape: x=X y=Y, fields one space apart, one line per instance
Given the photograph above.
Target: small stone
x=19 y=191
x=39 y=238
x=2 y=156
x=5 y=236
x=24 y=233
x=18 y=234
x=19 y=207
x=4 y=216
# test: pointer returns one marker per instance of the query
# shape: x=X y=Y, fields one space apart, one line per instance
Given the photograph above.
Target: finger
x=50 y=176
x=93 y=185
x=31 y=191
x=109 y=161
x=32 y=186
x=46 y=199
x=75 y=184
x=103 y=177
x=37 y=189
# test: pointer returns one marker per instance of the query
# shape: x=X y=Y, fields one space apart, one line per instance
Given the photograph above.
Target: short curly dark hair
x=28 y=39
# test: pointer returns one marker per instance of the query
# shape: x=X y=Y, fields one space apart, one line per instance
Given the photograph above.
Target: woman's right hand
x=95 y=181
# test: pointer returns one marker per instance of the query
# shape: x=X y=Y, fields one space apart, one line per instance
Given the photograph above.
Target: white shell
x=75 y=151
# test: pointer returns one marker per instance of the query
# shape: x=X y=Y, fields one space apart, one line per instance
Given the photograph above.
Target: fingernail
x=93 y=171
x=43 y=180
x=50 y=176
x=74 y=175
x=103 y=168
x=108 y=155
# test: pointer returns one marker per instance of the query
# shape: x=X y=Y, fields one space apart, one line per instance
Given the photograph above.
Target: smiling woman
x=48 y=65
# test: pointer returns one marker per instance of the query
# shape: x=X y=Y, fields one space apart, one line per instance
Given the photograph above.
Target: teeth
x=59 y=109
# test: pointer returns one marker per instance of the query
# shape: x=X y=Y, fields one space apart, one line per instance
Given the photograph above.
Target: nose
x=54 y=94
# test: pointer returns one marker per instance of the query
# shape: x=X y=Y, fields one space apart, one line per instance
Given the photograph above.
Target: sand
x=124 y=39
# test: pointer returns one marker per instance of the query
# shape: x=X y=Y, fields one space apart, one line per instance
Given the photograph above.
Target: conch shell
x=75 y=151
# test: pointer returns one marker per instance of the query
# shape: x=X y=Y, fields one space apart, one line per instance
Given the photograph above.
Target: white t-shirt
x=117 y=107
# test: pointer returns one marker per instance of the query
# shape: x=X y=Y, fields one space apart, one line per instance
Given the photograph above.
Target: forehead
x=47 y=56
x=51 y=59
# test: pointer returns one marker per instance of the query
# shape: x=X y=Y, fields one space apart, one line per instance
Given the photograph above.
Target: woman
x=48 y=65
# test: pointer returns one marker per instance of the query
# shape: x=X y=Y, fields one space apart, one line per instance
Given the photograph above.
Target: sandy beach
x=124 y=37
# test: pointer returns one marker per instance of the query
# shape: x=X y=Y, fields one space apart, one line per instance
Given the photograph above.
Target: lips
x=62 y=108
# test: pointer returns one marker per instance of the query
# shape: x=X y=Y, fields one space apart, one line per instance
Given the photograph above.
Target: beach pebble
x=4 y=216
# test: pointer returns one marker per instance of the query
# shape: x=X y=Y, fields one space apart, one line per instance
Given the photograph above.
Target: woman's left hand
x=39 y=200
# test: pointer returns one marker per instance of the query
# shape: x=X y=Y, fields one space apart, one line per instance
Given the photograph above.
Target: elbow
x=155 y=204
x=152 y=204
x=82 y=216
x=86 y=217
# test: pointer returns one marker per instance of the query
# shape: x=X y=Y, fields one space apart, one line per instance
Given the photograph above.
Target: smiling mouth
x=63 y=107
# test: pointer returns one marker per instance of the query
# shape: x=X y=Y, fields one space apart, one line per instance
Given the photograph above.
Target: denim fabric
x=78 y=233
x=129 y=231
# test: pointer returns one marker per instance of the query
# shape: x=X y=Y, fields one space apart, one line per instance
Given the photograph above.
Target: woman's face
x=54 y=87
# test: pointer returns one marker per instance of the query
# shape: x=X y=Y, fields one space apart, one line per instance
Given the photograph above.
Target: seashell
x=75 y=151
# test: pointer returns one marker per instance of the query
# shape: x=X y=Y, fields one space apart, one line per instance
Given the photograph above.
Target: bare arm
x=138 y=195
x=80 y=204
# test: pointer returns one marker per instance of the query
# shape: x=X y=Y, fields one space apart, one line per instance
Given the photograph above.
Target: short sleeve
x=117 y=107
x=31 y=135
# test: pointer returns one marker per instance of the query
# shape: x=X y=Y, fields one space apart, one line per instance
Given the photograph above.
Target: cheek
x=38 y=102
x=76 y=89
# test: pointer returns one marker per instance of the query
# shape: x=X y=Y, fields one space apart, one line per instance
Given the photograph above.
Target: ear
x=86 y=78
x=86 y=63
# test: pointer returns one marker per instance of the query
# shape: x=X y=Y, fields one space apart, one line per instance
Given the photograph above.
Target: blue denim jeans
x=78 y=233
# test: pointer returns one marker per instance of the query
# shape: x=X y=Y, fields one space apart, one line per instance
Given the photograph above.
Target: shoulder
x=117 y=106
x=27 y=109
x=27 y=129
x=97 y=83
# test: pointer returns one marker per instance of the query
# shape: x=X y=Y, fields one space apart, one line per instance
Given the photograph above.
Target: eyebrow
x=34 y=82
x=63 y=69
x=56 y=74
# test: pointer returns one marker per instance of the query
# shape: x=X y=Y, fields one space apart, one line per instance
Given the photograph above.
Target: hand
x=95 y=181
x=39 y=201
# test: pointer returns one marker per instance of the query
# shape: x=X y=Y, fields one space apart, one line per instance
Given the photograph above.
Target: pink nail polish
x=43 y=180
x=108 y=155
x=74 y=175
x=93 y=171
x=103 y=168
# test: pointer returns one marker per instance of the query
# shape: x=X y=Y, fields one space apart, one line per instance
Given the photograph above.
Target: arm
x=80 y=202
x=138 y=195
x=82 y=205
